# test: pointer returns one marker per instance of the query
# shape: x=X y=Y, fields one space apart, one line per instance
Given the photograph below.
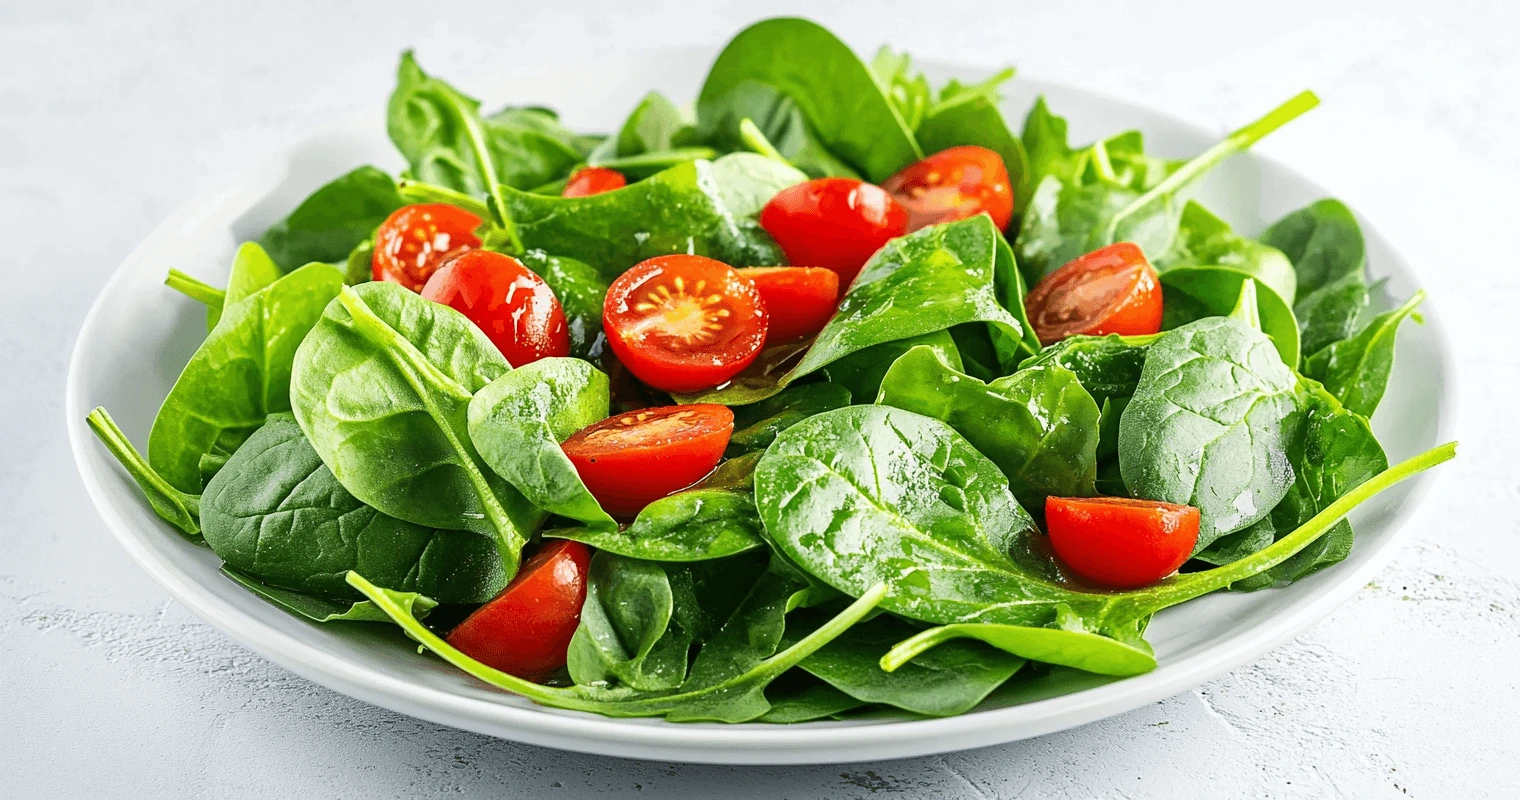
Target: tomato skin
x=1120 y=542
x=683 y=323
x=525 y=630
x=506 y=300
x=635 y=458
x=1111 y=290
x=588 y=181
x=414 y=241
x=834 y=223
x=954 y=184
x=800 y=300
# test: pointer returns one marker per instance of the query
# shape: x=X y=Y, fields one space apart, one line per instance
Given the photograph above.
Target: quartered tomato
x=593 y=180
x=1119 y=542
x=799 y=300
x=506 y=300
x=954 y=184
x=415 y=240
x=834 y=223
x=525 y=630
x=682 y=323
x=637 y=457
x=1111 y=290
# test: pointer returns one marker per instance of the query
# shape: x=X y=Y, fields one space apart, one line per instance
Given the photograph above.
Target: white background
x=114 y=114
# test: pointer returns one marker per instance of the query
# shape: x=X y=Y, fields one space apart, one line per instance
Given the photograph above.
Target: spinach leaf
x=1205 y=240
x=1329 y=256
x=530 y=148
x=1208 y=423
x=180 y=509
x=438 y=130
x=1071 y=647
x=252 y=270
x=839 y=98
x=969 y=115
x=335 y=219
x=581 y=293
x=907 y=90
x=625 y=634
x=1191 y=293
x=1119 y=161
x=518 y=420
x=239 y=375
x=321 y=609
x=862 y=371
x=694 y=525
x=277 y=514
x=812 y=700
x=1107 y=366
x=756 y=426
x=1356 y=370
x=655 y=124
x=1038 y=425
x=382 y=387
x=778 y=121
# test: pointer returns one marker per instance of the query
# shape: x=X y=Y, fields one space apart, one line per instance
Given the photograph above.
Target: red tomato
x=525 y=630
x=1111 y=290
x=415 y=240
x=682 y=323
x=593 y=180
x=1119 y=542
x=637 y=457
x=954 y=184
x=799 y=300
x=508 y=301
x=834 y=223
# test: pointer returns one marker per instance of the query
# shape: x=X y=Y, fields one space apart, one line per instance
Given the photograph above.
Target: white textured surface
x=112 y=115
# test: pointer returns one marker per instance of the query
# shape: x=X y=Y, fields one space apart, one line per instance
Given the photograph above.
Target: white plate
x=139 y=334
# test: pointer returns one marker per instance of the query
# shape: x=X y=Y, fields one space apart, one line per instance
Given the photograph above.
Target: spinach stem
x=194 y=289
x=757 y=141
x=178 y=508
x=657 y=158
x=419 y=192
x=487 y=166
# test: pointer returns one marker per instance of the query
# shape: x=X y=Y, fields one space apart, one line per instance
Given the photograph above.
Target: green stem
x=487 y=166
x=657 y=158
x=177 y=508
x=1236 y=142
x=757 y=141
x=196 y=290
x=418 y=192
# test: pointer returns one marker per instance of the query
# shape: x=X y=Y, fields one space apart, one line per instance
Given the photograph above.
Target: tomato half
x=415 y=240
x=1110 y=290
x=834 y=223
x=799 y=300
x=682 y=323
x=506 y=300
x=593 y=180
x=1119 y=542
x=633 y=459
x=525 y=630
x=954 y=184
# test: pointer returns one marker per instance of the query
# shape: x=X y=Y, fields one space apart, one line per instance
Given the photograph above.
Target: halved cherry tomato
x=1110 y=290
x=593 y=180
x=1119 y=542
x=954 y=184
x=799 y=300
x=637 y=457
x=683 y=323
x=506 y=300
x=525 y=630
x=415 y=240
x=834 y=223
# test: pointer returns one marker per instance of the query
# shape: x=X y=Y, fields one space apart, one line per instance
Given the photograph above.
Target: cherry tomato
x=954 y=184
x=593 y=180
x=799 y=300
x=1119 y=542
x=525 y=630
x=515 y=308
x=682 y=323
x=637 y=457
x=415 y=240
x=1111 y=290
x=834 y=223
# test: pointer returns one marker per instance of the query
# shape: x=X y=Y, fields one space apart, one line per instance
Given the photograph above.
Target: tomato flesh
x=506 y=300
x=635 y=458
x=1119 y=542
x=593 y=180
x=525 y=630
x=799 y=300
x=834 y=223
x=414 y=241
x=1110 y=290
x=683 y=323
x=954 y=184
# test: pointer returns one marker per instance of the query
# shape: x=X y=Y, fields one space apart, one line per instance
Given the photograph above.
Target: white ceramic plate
x=139 y=334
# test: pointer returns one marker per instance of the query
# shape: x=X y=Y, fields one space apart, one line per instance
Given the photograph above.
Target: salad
x=826 y=394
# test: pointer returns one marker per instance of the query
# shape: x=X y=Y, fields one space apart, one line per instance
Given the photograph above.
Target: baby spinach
x=1107 y=366
x=627 y=633
x=581 y=293
x=1207 y=425
x=1324 y=242
x=776 y=127
x=1356 y=370
x=694 y=525
x=382 y=387
x=320 y=609
x=1073 y=648
x=655 y=124
x=252 y=270
x=180 y=509
x=529 y=147
x=756 y=425
x=1191 y=293
x=1038 y=425
x=1205 y=240
x=811 y=700
x=862 y=371
x=335 y=219
x=239 y=375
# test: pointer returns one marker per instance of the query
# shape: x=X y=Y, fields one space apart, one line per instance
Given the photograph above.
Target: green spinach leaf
x=334 y=220
x=180 y=509
x=694 y=525
x=1107 y=366
x=319 y=609
x=1324 y=242
x=1191 y=293
x=1205 y=240
x=1356 y=370
x=756 y=426
x=581 y=293
x=626 y=634
x=252 y=270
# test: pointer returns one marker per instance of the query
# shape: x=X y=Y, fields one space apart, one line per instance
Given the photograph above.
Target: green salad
x=828 y=393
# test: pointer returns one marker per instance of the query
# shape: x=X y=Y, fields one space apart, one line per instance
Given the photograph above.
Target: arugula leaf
x=694 y=525
x=321 y=609
x=334 y=220
x=1356 y=370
